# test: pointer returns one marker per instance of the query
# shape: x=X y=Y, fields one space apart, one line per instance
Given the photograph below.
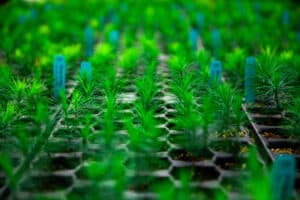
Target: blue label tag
x=200 y=20
x=216 y=41
x=114 y=37
x=59 y=72
x=33 y=14
x=250 y=72
x=86 y=70
x=215 y=72
x=285 y=18
x=89 y=41
x=283 y=177
x=298 y=36
x=194 y=39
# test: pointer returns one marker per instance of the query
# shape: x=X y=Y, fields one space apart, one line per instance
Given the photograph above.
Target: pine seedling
x=85 y=78
x=226 y=100
x=235 y=66
x=76 y=103
x=7 y=167
x=35 y=91
x=7 y=114
x=85 y=132
x=23 y=142
x=283 y=177
x=294 y=118
x=41 y=116
x=59 y=73
x=250 y=74
x=129 y=59
x=258 y=183
x=135 y=137
x=18 y=89
x=146 y=87
x=185 y=187
x=207 y=117
x=89 y=41
x=96 y=171
x=64 y=104
x=119 y=174
x=150 y=49
x=215 y=73
x=103 y=56
x=275 y=80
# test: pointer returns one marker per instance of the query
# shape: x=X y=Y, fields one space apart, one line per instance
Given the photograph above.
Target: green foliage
x=235 y=65
x=228 y=104
x=96 y=170
x=146 y=87
x=258 y=183
x=8 y=114
x=18 y=89
x=103 y=57
x=294 y=118
x=7 y=167
x=275 y=80
x=85 y=132
x=150 y=49
x=129 y=59
x=64 y=103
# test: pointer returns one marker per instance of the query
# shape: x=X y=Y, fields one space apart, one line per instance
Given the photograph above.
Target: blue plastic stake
x=298 y=36
x=59 y=72
x=33 y=14
x=200 y=21
x=22 y=18
x=89 y=41
x=194 y=39
x=86 y=70
x=285 y=18
x=283 y=177
x=250 y=71
x=215 y=72
x=216 y=41
x=114 y=37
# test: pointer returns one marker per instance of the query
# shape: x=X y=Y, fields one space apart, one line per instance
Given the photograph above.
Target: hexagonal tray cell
x=177 y=139
x=67 y=133
x=91 y=191
x=208 y=193
x=274 y=132
x=98 y=138
x=153 y=147
x=184 y=155
x=82 y=174
x=46 y=183
x=284 y=146
x=2 y=179
x=232 y=183
x=230 y=162
x=62 y=146
x=233 y=146
x=146 y=183
x=263 y=110
x=147 y=163
x=170 y=124
x=268 y=119
x=47 y=163
x=198 y=173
